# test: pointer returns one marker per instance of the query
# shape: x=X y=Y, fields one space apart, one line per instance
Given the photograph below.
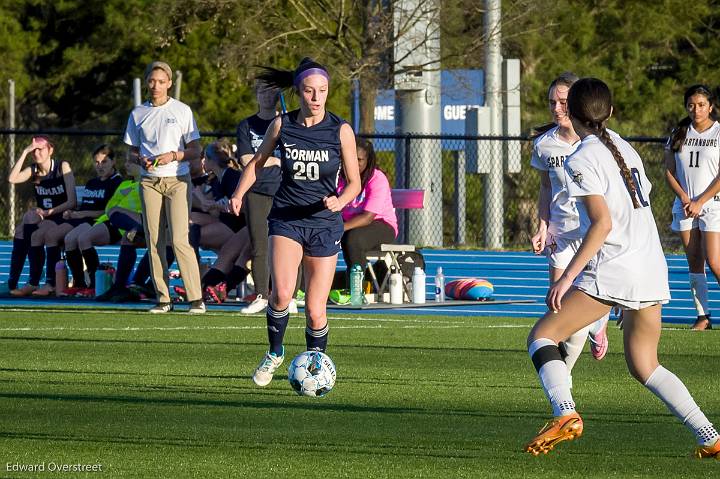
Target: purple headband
x=310 y=71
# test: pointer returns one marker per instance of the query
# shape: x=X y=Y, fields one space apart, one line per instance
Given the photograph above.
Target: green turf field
x=171 y=396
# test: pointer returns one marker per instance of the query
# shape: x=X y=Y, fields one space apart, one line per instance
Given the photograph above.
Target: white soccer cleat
x=266 y=369
x=258 y=305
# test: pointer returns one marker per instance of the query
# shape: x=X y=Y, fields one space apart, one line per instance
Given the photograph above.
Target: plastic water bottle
x=241 y=291
x=396 y=286
x=439 y=285
x=61 y=276
x=356 y=285
x=103 y=279
x=418 y=285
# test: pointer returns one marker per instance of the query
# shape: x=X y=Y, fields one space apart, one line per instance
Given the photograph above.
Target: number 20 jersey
x=310 y=163
x=696 y=164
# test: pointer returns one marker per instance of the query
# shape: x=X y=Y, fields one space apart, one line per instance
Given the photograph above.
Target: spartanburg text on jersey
x=549 y=154
x=310 y=164
x=631 y=264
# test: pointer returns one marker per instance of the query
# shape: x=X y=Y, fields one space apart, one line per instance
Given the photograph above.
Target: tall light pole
x=417 y=107
x=493 y=90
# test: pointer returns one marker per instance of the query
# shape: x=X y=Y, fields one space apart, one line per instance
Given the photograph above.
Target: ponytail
x=276 y=78
x=283 y=79
x=604 y=137
x=677 y=137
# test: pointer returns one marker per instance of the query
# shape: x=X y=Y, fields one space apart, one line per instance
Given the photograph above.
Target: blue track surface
x=516 y=275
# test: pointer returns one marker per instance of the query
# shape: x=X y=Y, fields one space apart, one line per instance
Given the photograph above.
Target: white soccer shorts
x=560 y=250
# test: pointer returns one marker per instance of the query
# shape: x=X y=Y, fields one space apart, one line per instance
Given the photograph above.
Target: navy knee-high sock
x=142 y=272
x=28 y=230
x=169 y=255
x=17 y=260
x=316 y=339
x=37 y=261
x=125 y=265
x=194 y=238
x=277 y=322
x=75 y=265
x=53 y=256
x=236 y=276
x=91 y=263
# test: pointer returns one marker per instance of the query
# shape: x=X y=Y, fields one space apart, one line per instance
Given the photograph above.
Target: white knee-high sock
x=699 y=290
x=553 y=374
x=574 y=346
x=666 y=386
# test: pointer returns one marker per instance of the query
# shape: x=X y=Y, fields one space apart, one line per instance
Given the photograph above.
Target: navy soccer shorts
x=320 y=242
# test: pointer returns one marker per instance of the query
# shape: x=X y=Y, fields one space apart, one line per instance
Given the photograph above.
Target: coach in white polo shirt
x=164 y=139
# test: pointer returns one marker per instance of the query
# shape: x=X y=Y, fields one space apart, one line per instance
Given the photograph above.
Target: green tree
x=19 y=46
x=648 y=52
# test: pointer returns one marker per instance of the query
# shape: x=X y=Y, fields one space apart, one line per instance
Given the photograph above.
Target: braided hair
x=677 y=138
x=590 y=104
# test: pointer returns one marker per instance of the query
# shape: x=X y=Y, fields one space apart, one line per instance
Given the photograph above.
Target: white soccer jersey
x=159 y=129
x=630 y=265
x=549 y=154
x=696 y=164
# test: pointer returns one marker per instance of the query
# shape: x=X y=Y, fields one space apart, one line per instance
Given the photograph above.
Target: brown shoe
x=702 y=323
x=26 y=290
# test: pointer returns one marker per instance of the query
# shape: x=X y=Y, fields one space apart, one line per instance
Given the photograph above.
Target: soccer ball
x=312 y=373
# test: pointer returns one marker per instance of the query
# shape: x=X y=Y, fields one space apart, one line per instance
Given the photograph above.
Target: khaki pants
x=166 y=207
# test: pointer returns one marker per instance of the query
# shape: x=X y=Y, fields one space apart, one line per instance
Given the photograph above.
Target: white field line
x=233 y=328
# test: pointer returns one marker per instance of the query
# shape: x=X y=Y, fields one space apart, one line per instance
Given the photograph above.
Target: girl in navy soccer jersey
x=304 y=223
x=258 y=201
x=620 y=263
x=96 y=194
x=54 y=186
x=692 y=155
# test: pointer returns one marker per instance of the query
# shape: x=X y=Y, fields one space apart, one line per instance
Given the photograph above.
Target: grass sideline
x=417 y=396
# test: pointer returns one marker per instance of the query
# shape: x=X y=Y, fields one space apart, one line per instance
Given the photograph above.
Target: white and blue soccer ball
x=312 y=373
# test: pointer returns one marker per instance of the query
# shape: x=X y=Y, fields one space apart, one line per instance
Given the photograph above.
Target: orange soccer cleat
x=562 y=428
x=702 y=452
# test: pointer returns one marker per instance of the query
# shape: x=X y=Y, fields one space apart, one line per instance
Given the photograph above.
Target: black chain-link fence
x=456 y=194
x=462 y=221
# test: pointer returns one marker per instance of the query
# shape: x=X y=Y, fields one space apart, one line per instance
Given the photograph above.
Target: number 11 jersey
x=310 y=162
x=697 y=164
